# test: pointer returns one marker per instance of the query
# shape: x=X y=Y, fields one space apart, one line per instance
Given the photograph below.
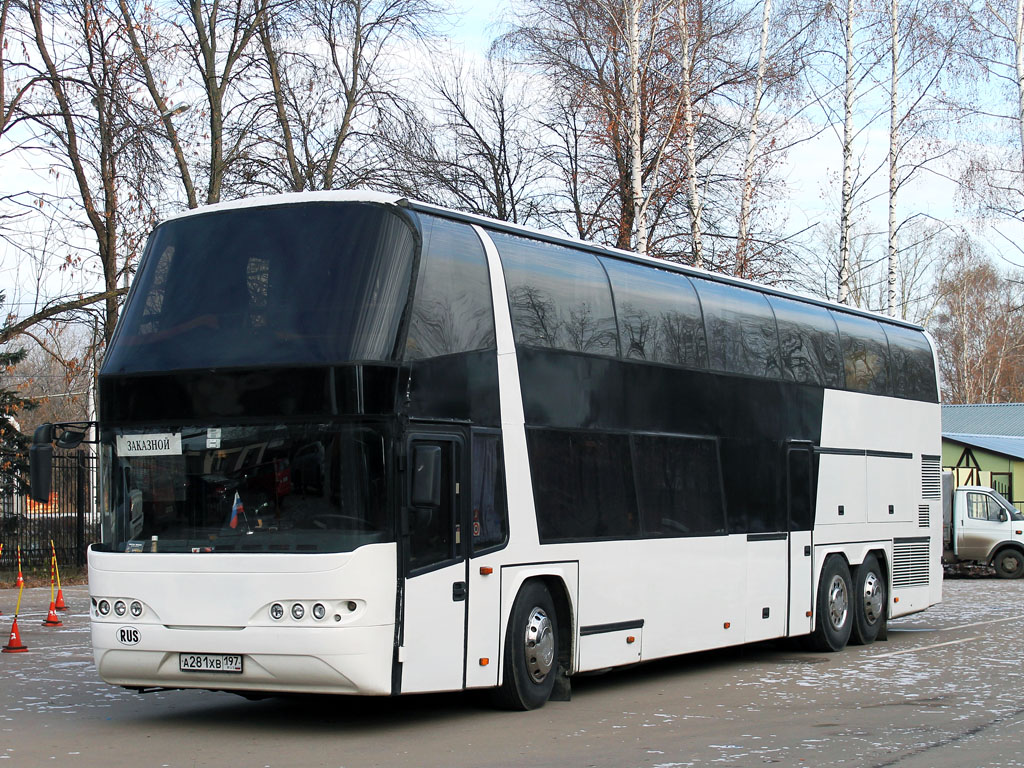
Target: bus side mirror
x=426 y=476
x=1003 y=517
x=40 y=464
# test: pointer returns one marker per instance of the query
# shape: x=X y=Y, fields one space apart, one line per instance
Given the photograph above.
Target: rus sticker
x=165 y=444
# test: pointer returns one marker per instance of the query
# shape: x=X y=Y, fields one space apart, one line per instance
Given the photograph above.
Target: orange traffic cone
x=56 y=571
x=15 y=646
x=52 y=619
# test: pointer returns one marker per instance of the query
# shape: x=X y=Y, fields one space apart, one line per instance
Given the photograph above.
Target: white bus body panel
x=220 y=604
x=432 y=652
x=909 y=536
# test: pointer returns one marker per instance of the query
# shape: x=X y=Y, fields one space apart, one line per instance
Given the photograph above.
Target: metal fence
x=68 y=520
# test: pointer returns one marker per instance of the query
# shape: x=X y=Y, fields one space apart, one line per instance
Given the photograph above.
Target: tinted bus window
x=809 y=343
x=582 y=485
x=317 y=283
x=913 y=366
x=559 y=297
x=679 y=485
x=489 y=519
x=865 y=354
x=452 y=306
x=741 y=332
x=659 y=315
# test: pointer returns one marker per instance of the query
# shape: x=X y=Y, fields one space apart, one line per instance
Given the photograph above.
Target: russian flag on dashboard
x=236 y=507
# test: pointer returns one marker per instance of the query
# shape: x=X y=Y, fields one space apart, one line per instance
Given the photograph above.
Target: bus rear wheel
x=834 y=610
x=531 y=650
x=1009 y=564
x=870 y=602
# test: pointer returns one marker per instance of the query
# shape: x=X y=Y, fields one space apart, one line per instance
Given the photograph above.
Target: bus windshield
x=323 y=283
x=279 y=488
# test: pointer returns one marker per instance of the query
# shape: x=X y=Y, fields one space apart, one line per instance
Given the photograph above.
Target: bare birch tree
x=747 y=189
x=335 y=95
x=920 y=45
x=993 y=114
x=686 y=67
x=979 y=328
x=97 y=134
x=478 y=149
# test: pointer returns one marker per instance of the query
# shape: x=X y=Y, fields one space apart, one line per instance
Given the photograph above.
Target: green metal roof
x=1004 y=419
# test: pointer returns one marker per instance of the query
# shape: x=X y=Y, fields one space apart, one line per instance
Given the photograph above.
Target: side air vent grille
x=910 y=563
x=924 y=516
x=931 y=477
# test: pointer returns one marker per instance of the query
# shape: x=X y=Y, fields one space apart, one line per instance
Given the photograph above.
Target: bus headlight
x=120 y=608
x=276 y=611
x=319 y=611
x=298 y=611
x=135 y=608
x=103 y=607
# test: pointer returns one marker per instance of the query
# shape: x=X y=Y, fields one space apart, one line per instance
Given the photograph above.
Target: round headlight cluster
x=121 y=607
x=298 y=611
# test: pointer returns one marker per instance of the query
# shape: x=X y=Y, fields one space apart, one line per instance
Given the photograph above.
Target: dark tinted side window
x=659 y=315
x=452 y=306
x=741 y=332
x=865 y=354
x=559 y=297
x=489 y=519
x=913 y=366
x=809 y=342
x=679 y=485
x=582 y=485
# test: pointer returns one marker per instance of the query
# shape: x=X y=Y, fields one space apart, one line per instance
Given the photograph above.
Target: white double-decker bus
x=357 y=444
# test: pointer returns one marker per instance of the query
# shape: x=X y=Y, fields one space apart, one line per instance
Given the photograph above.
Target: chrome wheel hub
x=540 y=645
x=838 y=602
x=873 y=595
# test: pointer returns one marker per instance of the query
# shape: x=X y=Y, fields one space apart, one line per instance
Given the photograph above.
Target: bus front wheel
x=531 y=650
x=834 y=609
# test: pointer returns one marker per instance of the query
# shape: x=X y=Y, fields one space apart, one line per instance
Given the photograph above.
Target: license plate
x=210 y=662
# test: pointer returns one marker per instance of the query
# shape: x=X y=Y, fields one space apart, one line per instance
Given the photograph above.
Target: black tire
x=834 y=614
x=531 y=650
x=870 y=602
x=1009 y=563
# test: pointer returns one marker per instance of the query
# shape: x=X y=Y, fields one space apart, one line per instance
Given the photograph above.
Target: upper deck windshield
x=316 y=283
x=269 y=488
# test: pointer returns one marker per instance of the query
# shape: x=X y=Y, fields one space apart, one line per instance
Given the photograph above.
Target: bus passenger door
x=800 y=485
x=432 y=652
